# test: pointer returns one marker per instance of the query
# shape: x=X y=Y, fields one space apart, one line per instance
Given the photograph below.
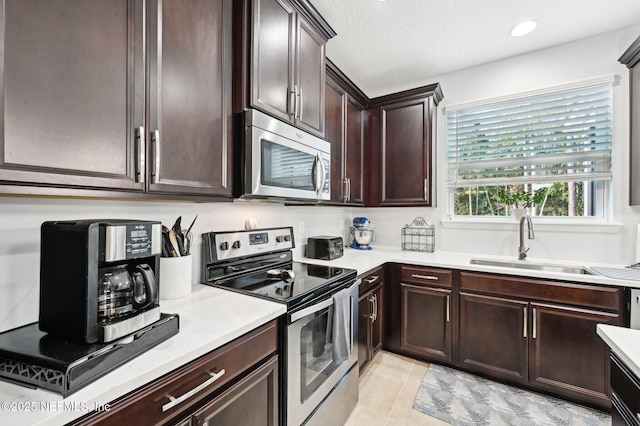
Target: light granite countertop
x=209 y=318
x=366 y=260
x=624 y=342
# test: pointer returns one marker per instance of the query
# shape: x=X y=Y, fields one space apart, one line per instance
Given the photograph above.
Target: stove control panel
x=230 y=245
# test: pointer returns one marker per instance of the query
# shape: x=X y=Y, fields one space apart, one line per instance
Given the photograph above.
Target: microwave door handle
x=319 y=168
x=324 y=174
x=314 y=174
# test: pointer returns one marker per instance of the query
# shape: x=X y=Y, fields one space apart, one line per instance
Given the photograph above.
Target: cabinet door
x=493 y=336
x=310 y=78
x=273 y=50
x=190 y=118
x=334 y=133
x=426 y=321
x=365 y=302
x=251 y=402
x=377 y=320
x=634 y=181
x=73 y=92
x=566 y=355
x=354 y=152
x=405 y=136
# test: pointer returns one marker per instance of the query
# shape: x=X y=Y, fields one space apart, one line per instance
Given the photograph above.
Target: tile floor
x=387 y=390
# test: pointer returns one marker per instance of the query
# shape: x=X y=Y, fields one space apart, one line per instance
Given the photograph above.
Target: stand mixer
x=361 y=234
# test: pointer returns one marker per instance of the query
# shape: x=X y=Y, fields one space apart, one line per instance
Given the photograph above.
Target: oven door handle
x=295 y=316
x=311 y=309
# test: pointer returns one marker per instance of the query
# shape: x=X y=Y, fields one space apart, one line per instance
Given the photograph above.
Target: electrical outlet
x=301 y=228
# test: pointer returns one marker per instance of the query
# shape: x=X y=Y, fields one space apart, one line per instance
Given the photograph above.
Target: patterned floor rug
x=463 y=399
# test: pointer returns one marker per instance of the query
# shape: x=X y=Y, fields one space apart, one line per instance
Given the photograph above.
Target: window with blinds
x=559 y=140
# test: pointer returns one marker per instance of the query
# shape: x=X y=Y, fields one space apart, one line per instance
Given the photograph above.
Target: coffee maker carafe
x=121 y=293
x=99 y=279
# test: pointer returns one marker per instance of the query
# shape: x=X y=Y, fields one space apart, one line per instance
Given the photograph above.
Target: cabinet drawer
x=190 y=384
x=608 y=298
x=371 y=280
x=627 y=386
x=429 y=276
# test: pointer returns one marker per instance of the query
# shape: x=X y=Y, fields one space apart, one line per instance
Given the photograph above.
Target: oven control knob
x=279 y=291
x=279 y=238
x=287 y=237
x=236 y=244
x=224 y=246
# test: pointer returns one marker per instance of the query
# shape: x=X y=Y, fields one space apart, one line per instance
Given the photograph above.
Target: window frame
x=602 y=189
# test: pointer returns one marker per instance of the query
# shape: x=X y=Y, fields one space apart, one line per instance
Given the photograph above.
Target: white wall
x=584 y=59
x=21 y=217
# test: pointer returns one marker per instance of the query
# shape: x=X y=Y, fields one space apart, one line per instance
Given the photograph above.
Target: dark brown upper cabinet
x=88 y=104
x=345 y=122
x=631 y=58
x=190 y=101
x=280 y=54
x=73 y=96
x=402 y=128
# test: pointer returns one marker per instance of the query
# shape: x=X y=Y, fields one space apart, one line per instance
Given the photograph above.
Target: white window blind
x=551 y=137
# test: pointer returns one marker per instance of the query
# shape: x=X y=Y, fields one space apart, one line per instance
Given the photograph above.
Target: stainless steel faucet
x=522 y=250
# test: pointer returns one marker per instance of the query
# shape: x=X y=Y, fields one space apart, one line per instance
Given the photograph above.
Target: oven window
x=285 y=167
x=316 y=352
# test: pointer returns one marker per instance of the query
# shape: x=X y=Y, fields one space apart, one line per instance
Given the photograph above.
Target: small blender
x=361 y=234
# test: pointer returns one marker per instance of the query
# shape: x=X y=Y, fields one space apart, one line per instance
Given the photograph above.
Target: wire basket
x=419 y=235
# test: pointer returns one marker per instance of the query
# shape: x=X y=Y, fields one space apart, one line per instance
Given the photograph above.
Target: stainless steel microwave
x=279 y=161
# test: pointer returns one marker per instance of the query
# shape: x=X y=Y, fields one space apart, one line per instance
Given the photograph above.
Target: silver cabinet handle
x=373 y=314
x=348 y=192
x=173 y=401
x=140 y=152
x=524 y=328
x=448 y=308
x=155 y=141
x=297 y=104
x=345 y=194
x=425 y=277
x=533 y=333
x=375 y=307
x=292 y=101
x=426 y=189
x=373 y=279
x=301 y=104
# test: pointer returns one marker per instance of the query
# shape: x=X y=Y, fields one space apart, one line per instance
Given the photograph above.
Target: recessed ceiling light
x=524 y=28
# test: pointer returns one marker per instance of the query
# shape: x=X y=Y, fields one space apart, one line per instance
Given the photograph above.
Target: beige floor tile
x=381 y=394
x=388 y=387
x=364 y=417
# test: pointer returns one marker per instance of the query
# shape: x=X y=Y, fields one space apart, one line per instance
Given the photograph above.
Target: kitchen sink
x=524 y=264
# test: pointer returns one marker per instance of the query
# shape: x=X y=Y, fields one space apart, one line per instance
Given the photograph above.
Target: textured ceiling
x=383 y=45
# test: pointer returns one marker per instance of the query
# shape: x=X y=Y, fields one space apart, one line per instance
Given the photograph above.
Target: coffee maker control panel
x=131 y=241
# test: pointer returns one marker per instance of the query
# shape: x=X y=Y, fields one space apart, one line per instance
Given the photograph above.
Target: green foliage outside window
x=560 y=199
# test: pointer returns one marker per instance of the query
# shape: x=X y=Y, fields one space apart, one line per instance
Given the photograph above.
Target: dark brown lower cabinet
x=426 y=321
x=370 y=317
x=493 y=336
x=236 y=384
x=252 y=402
x=565 y=353
x=537 y=333
x=426 y=313
x=625 y=397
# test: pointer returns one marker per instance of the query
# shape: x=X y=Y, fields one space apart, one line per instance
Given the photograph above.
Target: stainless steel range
x=319 y=379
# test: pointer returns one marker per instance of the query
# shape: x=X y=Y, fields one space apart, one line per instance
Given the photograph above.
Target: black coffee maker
x=99 y=278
